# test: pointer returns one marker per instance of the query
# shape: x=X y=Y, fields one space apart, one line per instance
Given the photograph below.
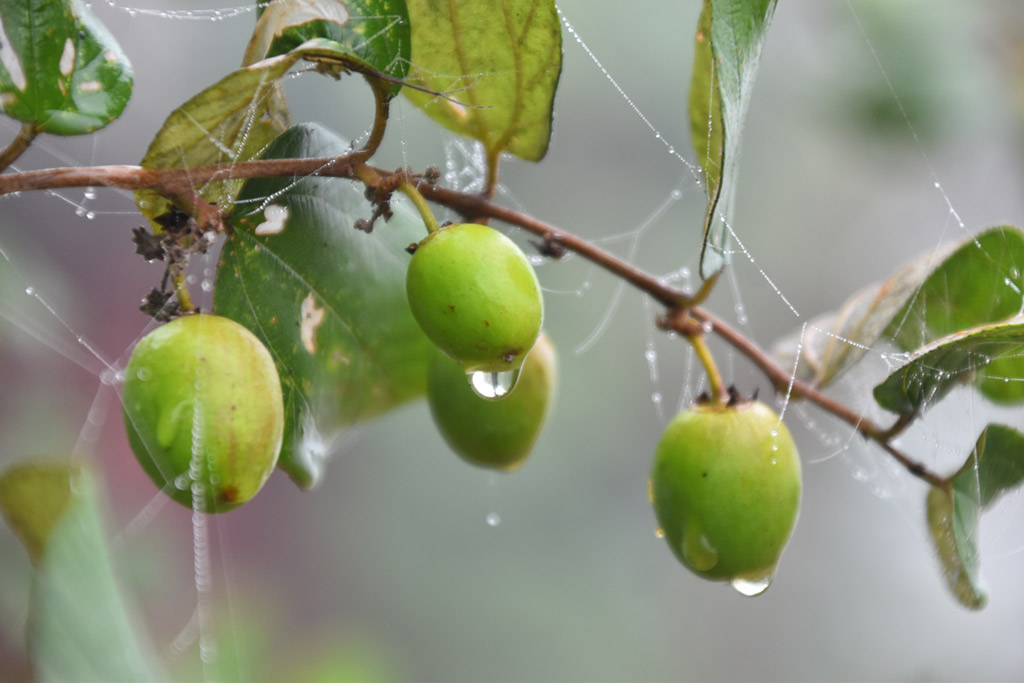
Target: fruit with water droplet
x=204 y=411
x=725 y=486
x=493 y=434
x=475 y=295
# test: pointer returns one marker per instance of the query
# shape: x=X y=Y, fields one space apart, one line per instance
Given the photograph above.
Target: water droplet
x=109 y=377
x=80 y=211
x=656 y=398
x=493 y=519
x=143 y=374
x=493 y=386
x=676 y=194
x=89 y=215
x=90 y=193
x=30 y=290
x=697 y=549
x=751 y=586
x=206 y=286
x=671 y=150
x=181 y=482
x=659 y=532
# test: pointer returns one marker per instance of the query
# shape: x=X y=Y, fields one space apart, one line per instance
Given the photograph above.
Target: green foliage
x=725 y=63
x=327 y=300
x=497 y=63
x=78 y=626
x=367 y=36
x=994 y=467
x=61 y=70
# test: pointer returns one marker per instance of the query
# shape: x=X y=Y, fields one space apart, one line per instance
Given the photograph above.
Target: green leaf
x=502 y=59
x=965 y=282
x=231 y=121
x=60 y=68
x=374 y=34
x=328 y=300
x=959 y=358
x=979 y=283
x=725 y=64
x=78 y=626
x=995 y=466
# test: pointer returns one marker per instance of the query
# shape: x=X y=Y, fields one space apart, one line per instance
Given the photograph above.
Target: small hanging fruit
x=204 y=412
x=495 y=435
x=475 y=295
x=725 y=486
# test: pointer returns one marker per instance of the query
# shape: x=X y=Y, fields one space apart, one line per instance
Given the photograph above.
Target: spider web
x=388 y=570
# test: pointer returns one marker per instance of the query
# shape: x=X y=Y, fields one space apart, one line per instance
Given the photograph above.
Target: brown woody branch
x=180 y=182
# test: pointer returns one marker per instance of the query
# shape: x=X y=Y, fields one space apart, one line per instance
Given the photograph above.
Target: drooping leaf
x=959 y=358
x=79 y=627
x=502 y=59
x=995 y=466
x=60 y=68
x=726 y=61
x=328 y=300
x=947 y=278
x=374 y=34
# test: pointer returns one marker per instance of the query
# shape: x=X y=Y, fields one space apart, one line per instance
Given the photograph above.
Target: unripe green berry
x=204 y=411
x=725 y=486
x=475 y=295
x=493 y=434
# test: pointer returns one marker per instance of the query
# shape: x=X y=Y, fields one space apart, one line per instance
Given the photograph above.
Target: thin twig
x=19 y=144
x=181 y=181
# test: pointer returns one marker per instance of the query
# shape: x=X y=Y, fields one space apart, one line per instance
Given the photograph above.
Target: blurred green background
x=389 y=571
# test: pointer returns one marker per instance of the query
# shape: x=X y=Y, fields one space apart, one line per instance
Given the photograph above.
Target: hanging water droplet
x=751 y=587
x=80 y=211
x=676 y=194
x=493 y=519
x=493 y=386
x=90 y=193
x=89 y=215
x=671 y=150
x=659 y=532
x=30 y=290
x=656 y=398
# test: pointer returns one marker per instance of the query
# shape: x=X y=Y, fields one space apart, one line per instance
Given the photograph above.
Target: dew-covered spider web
x=878 y=135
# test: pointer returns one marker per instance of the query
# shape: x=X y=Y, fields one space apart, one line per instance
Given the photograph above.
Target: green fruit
x=494 y=434
x=725 y=486
x=203 y=411
x=475 y=295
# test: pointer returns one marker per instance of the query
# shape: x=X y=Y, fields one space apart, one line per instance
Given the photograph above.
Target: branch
x=19 y=144
x=181 y=181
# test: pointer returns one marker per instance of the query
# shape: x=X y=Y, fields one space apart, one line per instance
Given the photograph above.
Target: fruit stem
x=181 y=290
x=719 y=392
x=421 y=205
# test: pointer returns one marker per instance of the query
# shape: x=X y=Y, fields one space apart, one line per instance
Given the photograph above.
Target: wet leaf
x=959 y=358
x=78 y=626
x=501 y=61
x=729 y=39
x=981 y=282
x=372 y=34
x=60 y=68
x=995 y=466
x=328 y=300
x=948 y=278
